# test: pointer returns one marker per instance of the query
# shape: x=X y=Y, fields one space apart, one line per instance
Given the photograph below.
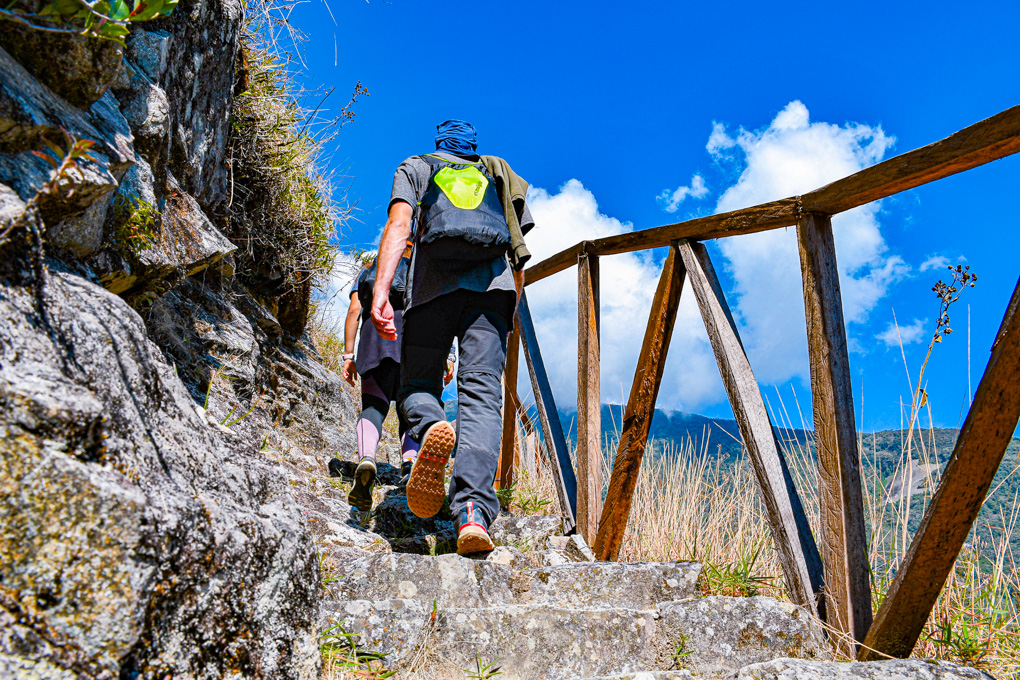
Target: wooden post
x=843 y=538
x=552 y=429
x=798 y=553
x=505 y=473
x=637 y=418
x=589 y=402
x=979 y=449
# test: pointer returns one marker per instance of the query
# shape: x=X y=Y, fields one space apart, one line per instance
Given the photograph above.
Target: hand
x=382 y=318
x=449 y=372
x=349 y=371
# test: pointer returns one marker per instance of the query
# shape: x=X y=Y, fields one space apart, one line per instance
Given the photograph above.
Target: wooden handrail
x=983 y=142
x=841 y=590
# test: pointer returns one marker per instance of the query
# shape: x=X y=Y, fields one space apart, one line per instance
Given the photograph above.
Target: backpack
x=460 y=216
x=366 y=285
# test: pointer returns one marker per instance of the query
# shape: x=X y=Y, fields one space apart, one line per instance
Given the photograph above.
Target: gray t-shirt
x=428 y=279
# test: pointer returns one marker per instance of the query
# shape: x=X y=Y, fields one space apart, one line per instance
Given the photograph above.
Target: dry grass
x=284 y=209
x=691 y=505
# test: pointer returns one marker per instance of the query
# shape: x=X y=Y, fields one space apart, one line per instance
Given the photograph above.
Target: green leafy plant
x=103 y=19
x=340 y=650
x=681 y=652
x=135 y=223
x=481 y=672
x=741 y=579
x=505 y=497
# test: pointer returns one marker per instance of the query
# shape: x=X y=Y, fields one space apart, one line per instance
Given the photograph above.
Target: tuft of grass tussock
x=283 y=210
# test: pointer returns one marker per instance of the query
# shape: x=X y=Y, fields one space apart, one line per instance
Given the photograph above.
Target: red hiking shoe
x=473 y=534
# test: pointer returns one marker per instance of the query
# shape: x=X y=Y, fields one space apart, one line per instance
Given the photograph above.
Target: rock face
x=132 y=527
x=77 y=68
x=163 y=502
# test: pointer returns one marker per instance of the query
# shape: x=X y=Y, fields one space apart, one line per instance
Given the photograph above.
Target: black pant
x=379 y=387
x=480 y=322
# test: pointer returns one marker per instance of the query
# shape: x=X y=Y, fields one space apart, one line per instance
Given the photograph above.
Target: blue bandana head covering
x=457 y=137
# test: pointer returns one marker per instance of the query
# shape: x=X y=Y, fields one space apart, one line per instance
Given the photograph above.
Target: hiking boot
x=473 y=533
x=426 y=488
x=405 y=472
x=364 y=479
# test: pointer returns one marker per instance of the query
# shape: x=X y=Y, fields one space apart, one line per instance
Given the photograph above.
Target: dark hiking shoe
x=426 y=488
x=335 y=467
x=473 y=532
x=405 y=472
x=364 y=479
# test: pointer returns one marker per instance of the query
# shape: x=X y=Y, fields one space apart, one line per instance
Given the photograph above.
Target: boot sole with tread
x=473 y=540
x=426 y=488
x=361 y=495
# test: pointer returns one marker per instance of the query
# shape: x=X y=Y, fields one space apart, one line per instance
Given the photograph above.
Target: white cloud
x=627 y=284
x=789 y=157
x=893 y=336
x=336 y=298
x=671 y=200
x=934 y=262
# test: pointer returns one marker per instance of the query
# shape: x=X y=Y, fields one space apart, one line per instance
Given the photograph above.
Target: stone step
x=799 y=669
x=636 y=585
x=710 y=637
x=715 y=636
x=897 y=669
x=647 y=675
x=530 y=641
x=447 y=580
x=454 y=581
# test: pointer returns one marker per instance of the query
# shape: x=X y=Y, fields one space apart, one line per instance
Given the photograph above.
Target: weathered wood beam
x=843 y=538
x=979 y=449
x=798 y=553
x=783 y=213
x=589 y=402
x=983 y=142
x=552 y=430
x=505 y=474
x=637 y=419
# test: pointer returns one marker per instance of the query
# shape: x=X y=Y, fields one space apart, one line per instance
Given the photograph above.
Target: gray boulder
x=129 y=527
x=29 y=113
x=716 y=636
x=525 y=533
x=77 y=68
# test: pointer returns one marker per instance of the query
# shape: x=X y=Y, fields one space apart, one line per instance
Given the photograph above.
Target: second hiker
x=378 y=364
x=460 y=284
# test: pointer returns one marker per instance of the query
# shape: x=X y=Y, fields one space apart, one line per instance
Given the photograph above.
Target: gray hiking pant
x=480 y=322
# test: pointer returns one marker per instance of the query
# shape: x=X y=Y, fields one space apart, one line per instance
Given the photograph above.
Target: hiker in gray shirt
x=460 y=285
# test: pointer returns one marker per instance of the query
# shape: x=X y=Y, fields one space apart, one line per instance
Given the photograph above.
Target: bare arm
x=350 y=331
x=391 y=248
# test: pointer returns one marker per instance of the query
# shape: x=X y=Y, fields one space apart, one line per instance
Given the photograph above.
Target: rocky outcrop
x=132 y=527
x=77 y=68
x=162 y=500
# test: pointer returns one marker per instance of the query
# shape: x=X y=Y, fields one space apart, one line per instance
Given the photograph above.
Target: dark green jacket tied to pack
x=461 y=216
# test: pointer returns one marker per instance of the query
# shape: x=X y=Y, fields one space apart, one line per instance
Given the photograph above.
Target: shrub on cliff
x=282 y=213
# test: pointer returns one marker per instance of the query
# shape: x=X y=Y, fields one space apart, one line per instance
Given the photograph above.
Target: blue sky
x=631 y=116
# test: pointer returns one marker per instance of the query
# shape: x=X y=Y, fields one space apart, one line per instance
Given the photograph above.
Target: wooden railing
x=832 y=582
